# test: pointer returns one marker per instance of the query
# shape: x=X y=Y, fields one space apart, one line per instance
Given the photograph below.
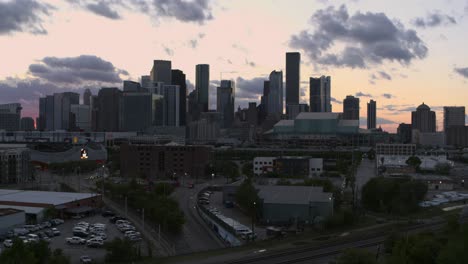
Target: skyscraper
x=145 y=81
x=178 y=78
x=225 y=102
x=108 y=109
x=27 y=124
x=351 y=108
x=171 y=109
x=10 y=115
x=423 y=119
x=135 y=111
x=371 y=114
x=161 y=71
x=62 y=109
x=130 y=86
x=87 y=97
x=81 y=117
x=293 y=64
x=275 y=95
x=202 y=84
x=454 y=116
x=319 y=95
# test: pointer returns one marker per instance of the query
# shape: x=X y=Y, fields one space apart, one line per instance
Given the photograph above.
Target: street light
x=253 y=219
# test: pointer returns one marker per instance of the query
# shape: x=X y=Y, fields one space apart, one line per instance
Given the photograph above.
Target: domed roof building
x=423 y=119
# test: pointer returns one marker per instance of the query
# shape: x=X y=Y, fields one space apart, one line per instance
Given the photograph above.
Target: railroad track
x=330 y=249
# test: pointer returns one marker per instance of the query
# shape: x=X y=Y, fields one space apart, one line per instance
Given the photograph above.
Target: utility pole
x=125 y=206
x=143 y=218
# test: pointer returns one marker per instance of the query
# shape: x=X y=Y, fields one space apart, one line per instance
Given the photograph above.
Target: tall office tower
x=371 y=114
x=10 y=115
x=423 y=119
x=81 y=116
x=135 y=111
x=293 y=110
x=87 y=97
x=130 y=86
x=161 y=71
x=171 y=110
x=351 y=108
x=454 y=116
x=62 y=109
x=27 y=124
x=293 y=64
x=40 y=120
x=320 y=94
x=202 y=84
x=252 y=114
x=49 y=113
x=225 y=102
x=108 y=109
x=194 y=109
x=262 y=111
x=275 y=95
x=178 y=78
x=145 y=81
x=94 y=112
x=404 y=132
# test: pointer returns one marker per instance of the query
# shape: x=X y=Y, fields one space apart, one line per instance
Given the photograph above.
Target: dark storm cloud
x=434 y=19
x=462 y=71
x=361 y=94
x=368 y=39
x=76 y=70
x=197 y=11
x=250 y=89
x=23 y=16
x=103 y=9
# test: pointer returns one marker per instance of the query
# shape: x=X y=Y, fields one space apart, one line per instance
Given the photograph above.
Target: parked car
x=108 y=213
x=49 y=233
x=80 y=233
x=33 y=238
x=114 y=219
x=75 y=240
x=86 y=260
x=95 y=242
x=55 y=231
x=99 y=235
x=8 y=243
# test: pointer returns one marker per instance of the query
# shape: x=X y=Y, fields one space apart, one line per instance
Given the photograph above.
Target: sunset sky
x=399 y=53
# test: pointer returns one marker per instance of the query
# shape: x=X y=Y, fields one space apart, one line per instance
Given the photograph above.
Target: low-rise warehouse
x=34 y=203
x=10 y=218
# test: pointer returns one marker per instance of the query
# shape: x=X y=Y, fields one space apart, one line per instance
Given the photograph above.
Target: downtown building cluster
x=161 y=104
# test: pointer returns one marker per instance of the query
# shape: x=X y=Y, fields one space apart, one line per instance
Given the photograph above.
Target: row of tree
x=447 y=247
x=159 y=207
x=32 y=253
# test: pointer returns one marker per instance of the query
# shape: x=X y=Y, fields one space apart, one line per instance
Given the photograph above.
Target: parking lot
x=97 y=254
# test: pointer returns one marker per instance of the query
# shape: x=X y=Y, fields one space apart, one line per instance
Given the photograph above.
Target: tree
x=247 y=197
x=414 y=162
x=456 y=249
x=415 y=249
x=356 y=256
x=443 y=168
x=32 y=253
x=58 y=257
x=247 y=169
x=120 y=251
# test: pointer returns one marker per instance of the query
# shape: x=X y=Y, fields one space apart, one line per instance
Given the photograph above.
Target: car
x=78 y=216
x=57 y=221
x=33 y=238
x=49 y=233
x=121 y=221
x=8 y=243
x=132 y=233
x=20 y=231
x=55 y=231
x=205 y=202
x=134 y=238
x=86 y=259
x=95 y=242
x=80 y=233
x=108 y=213
x=103 y=236
x=75 y=240
x=114 y=219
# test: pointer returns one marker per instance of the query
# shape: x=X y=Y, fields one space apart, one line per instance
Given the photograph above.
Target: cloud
x=462 y=71
x=334 y=100
x=433 y=20
x=101 y=8
x=250 y=89
x=197 y=11
x=193 y=43
x=388 y=96
x=79 y=70
x=168 y=51
x=379 y=121
x=368 y=39
x=250 y=63
x=361 y=94
x=28 y=92
x=385 y=75
x=23 y=16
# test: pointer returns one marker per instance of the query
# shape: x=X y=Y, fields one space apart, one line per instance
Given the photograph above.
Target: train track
x=330 y=249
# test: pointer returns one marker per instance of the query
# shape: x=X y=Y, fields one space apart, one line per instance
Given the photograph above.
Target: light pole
x=212 y=177
x=253 y=219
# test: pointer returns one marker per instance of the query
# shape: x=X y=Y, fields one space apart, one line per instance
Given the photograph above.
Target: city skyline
x=58 y=37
